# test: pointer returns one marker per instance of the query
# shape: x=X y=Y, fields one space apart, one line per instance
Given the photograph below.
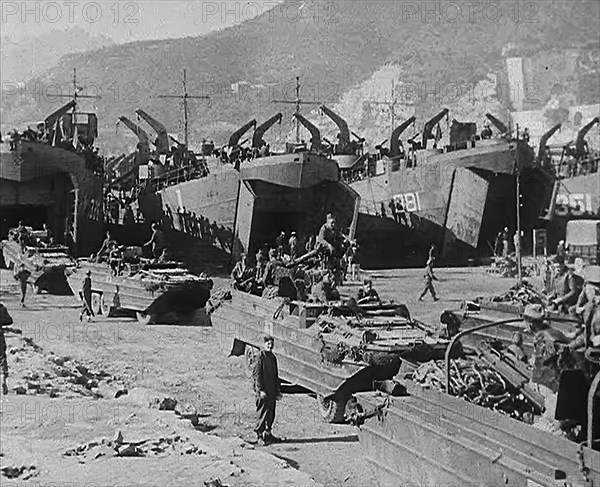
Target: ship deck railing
x=573 y=168
x=178 y=175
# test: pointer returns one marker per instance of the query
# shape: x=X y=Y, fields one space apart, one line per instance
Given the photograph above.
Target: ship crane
x=395 y=138
x=542 y=149
x=315 y=141
x=502 y=128
x=52 y=121
x=143 y=137
x=237 y=135
x=259 y=132
x=344 y=145
x=580 y=143
x=162 y=139
x=428 y=129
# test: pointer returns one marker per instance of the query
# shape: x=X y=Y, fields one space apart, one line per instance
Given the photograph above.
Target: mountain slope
x=32 y=56
x=333 y=51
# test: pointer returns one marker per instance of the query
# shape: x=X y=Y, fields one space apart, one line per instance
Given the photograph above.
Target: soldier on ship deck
x=293 y=245
x=157 y=242
x=330 y=244
x=243 y=274
x=107 y=246
x=486 y=133
x=367 y=294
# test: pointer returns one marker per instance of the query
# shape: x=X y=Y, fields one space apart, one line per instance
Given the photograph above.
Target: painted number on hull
x=410 y=201
x=575 y=204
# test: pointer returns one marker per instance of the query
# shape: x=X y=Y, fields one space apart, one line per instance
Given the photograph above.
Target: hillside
x=31 y=56
x=360 y=46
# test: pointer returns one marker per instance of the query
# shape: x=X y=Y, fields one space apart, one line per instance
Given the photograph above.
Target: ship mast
x=391 y=104
x=76 y=95
x=298 y=101
x=185 y=96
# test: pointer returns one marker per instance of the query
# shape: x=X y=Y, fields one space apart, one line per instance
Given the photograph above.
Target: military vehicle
x=46 y=262
x=163 y=293
x=327 y=348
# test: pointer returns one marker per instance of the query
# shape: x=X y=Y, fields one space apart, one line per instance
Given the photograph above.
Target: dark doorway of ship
x=48 y=200
x=31 y=215
x=302 y=210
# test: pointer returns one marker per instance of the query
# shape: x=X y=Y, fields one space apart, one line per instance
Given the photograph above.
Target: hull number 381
x=410 y=201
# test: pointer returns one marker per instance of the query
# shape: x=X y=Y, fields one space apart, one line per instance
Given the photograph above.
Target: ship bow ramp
x=290 y=192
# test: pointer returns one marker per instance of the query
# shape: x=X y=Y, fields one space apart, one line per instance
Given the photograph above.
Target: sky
x=126 y=21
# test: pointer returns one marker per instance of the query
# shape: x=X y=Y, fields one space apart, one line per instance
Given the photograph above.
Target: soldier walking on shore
x=86 y=294
x=268 y=390
x=23 y=276
x=429 y=278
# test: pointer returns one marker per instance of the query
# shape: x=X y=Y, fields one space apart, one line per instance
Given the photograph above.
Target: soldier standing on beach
x=268 y=390
x=23 y=276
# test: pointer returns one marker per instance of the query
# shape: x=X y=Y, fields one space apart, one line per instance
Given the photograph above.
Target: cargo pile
x=478 y=383
x=520 y=294
x=161 y=279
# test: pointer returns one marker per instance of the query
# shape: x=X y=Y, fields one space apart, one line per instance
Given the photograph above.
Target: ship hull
x=250 y=207
x=458 y=201
x=40 y=183
x=213 y=197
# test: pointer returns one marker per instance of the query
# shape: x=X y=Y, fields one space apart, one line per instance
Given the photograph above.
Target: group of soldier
x=565 y=284
x=329 y=247
x=110 y=251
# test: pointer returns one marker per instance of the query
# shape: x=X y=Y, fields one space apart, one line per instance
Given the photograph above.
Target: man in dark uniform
x=268 y=390
x=429 y=278
x=86 y=293
x=23 y=276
